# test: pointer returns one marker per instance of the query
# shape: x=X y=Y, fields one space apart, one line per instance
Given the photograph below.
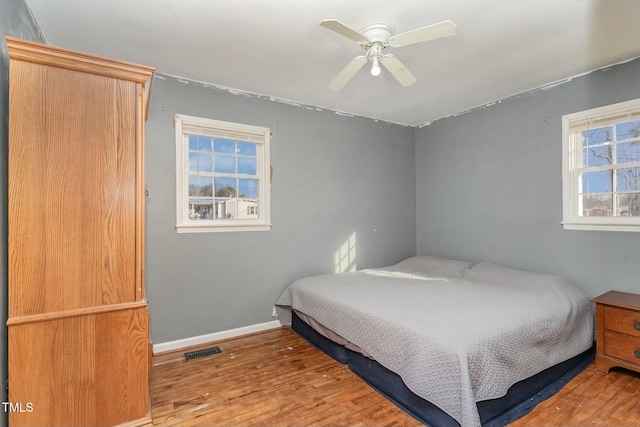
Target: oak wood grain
x=275 y=378
x=27 y=51
x=619 y=299
x=622 y=320
x=83 y=370
x=617 y=331
x=270 y=378
x=72 y=179
x=78 y=319
x=592 y=398
x=622 y=347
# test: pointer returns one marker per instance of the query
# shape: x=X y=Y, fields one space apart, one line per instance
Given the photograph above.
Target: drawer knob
x=637 y=353
x=636 y=325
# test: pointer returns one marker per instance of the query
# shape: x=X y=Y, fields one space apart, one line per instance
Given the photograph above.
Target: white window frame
x=184 y=126
x=572 y=126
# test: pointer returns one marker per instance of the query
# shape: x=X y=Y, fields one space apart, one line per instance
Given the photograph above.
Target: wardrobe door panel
x=72 y=207
x=85 y=370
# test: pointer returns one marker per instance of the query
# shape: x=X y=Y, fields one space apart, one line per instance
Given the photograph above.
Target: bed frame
x=521 y=398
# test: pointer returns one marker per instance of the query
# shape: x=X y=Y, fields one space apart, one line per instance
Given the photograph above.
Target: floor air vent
x=202 y=353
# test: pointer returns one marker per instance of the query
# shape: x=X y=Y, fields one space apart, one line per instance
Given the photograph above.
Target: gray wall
x=333 y=176
x=483 y=186
x=488 y=186
x=15 y=21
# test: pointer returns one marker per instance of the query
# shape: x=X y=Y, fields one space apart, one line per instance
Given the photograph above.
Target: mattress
x=456 y=333
x=521 y=398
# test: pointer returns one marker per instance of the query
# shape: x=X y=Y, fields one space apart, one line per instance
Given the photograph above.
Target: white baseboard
x=216 y=336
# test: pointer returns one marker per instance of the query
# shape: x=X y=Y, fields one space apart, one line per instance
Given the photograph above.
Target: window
x=222 y=176
x=601 y=172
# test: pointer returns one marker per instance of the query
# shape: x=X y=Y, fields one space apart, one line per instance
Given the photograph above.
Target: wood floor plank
x=592 y=398
x=271 y=378
x=275 y=378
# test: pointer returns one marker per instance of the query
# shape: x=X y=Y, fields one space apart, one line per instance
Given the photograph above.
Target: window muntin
x=610 y=181
x=601 y=174
x=222 y=175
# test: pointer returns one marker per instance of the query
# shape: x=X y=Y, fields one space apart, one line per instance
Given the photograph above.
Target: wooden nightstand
x=617 y=331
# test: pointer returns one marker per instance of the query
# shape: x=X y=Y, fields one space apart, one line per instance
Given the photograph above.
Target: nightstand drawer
x=622 y=347
x=622 y=320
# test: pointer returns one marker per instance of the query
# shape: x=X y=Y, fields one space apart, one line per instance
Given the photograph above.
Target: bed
x=450 y=342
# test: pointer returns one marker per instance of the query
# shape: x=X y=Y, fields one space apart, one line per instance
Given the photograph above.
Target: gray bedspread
x=457 y=333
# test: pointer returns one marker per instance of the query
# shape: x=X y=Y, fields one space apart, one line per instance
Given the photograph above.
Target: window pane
x=225 y=187
x=206 y=186
x=628 y=130
x=193 y=142
x=225 y=209
x=597 y=156
x=247 y=165
x=204 y=143
x=628 y=179
x=247 y=148
x=628 y=152
x=200 y=209
x=194 y=190
x=204 y=163
x=224 y=146
x=200 y=186
x=629 y=204
x=597 y=182
x=247 y=209
x=199 y=143
x=597 y=136
x=193 y=161
x=225 y=164
x=199 y=162
x=601 y=205
x=248 y=188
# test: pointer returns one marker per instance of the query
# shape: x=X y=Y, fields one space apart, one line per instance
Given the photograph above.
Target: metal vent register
x=202 y=353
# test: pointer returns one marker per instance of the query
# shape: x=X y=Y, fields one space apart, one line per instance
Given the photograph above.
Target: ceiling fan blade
x=398 y=70
x=348 y=72
x=430 y=32
x=340 y=28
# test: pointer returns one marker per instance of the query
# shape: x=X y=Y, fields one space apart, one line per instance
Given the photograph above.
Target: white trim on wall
x=215 y=336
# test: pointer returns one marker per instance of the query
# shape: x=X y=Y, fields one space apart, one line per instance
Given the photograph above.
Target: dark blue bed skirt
x=521 y=398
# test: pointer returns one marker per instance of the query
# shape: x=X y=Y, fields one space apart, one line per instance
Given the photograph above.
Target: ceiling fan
x=374 y=39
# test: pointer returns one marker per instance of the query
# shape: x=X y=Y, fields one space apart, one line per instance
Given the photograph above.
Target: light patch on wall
x=345 y=256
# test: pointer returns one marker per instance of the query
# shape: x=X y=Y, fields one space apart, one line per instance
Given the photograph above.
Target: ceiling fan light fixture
x=375 y=68
x=374 y=39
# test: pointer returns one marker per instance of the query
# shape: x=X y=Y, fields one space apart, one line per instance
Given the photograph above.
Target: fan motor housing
x=377 y=33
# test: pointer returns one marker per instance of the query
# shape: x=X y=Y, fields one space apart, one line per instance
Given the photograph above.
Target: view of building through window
x=223 y=182
x=222 y=176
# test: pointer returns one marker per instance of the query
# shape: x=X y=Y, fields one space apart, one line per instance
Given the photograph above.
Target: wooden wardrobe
x=78 y=319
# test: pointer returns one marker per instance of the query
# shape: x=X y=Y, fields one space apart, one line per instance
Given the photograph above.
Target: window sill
x=221 y=228
x=598 y=226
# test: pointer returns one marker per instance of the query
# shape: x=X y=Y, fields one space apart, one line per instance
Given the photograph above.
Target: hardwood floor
x=275 y=378
x=591 y=399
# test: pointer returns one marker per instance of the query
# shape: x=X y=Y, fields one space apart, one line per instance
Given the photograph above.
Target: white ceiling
x=276 y=47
